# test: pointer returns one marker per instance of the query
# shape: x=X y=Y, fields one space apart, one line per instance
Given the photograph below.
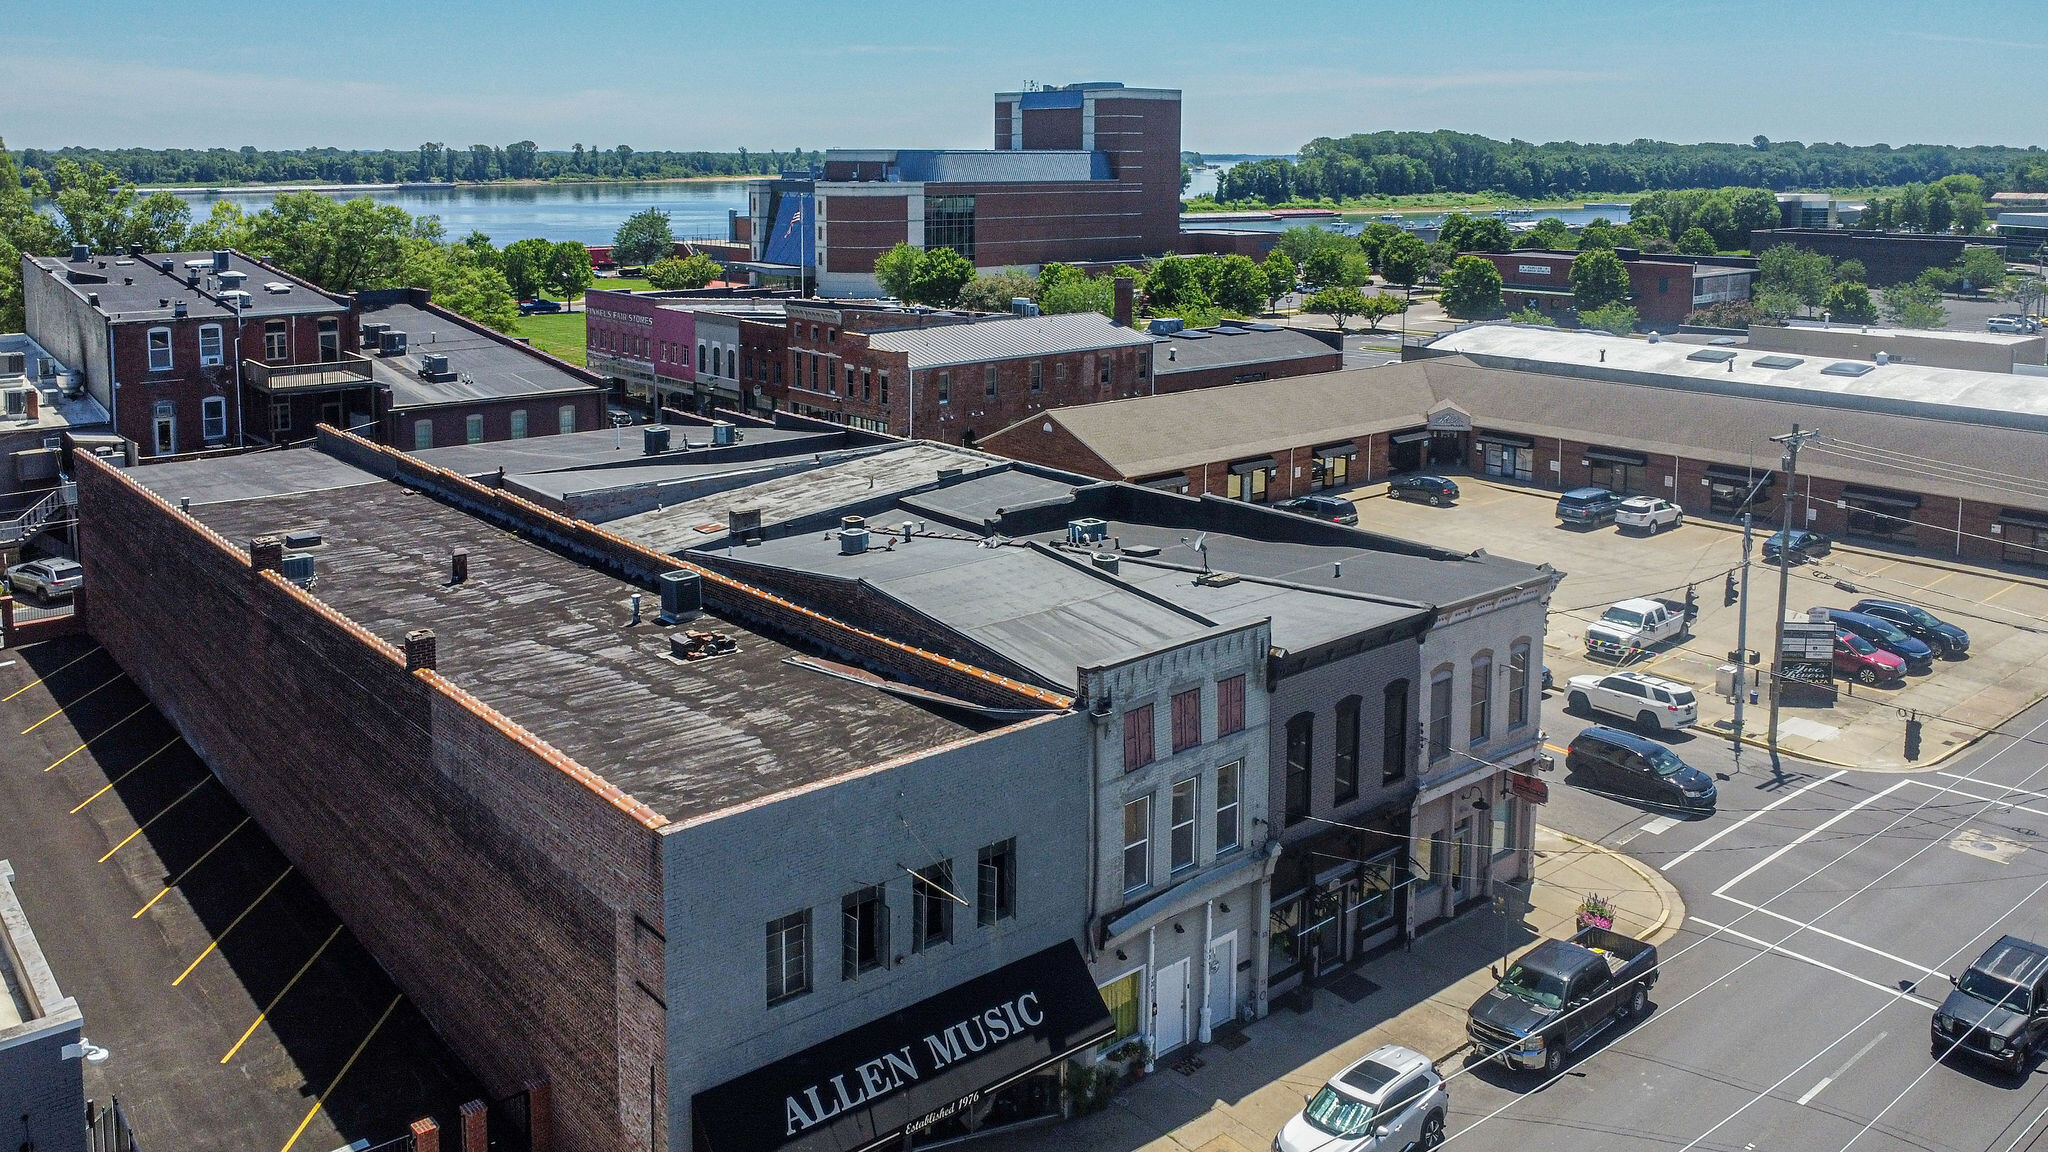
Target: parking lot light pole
x=1792 y=441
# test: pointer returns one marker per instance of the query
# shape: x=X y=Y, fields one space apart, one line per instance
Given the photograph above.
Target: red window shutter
x=1230 y=705
x=1137 y=737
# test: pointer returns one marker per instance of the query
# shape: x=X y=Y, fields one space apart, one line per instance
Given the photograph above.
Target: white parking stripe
x=1715 y=838
x=1767 y=946
x=1661 y=825
x=1831 y=1077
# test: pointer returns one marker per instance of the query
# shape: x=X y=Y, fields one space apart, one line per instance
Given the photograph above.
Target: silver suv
x=1392 y=1099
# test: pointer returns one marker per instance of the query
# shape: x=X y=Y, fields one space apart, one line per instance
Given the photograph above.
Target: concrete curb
x=1918 y=766
x=1671 y=913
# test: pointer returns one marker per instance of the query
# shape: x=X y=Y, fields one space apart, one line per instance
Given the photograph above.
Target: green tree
x=1983 y=268
x=1281 y=276
x=1969 y=213
x=1599 y=278
x=1941 y=208
x=568 y=268
x=896 y=271
x=1324 y=266
x=479 y=244
x=1914 y=305
x=1379 y=306
x=1079 y=294
x=1616 y=317
x=643 y=238
x=672 y=274
x=1476 y=233
x=98 y=210
x=1804 y=275
x=1053 y=275
x=525 y=265
x=1531 y=316
x=1234 y=283
x=1403 y=260
x=225 y=226
x=1849 y=302
x=460 y=281
x=1716 y=217
x=1852 y=270
x=941 y=273
x=1374 y=236
x=341 y=245
x=1696 y=242
x=1172 y=282
x=1471 y=288
x=994 y=292
x=1549 y=234
x=1338 y=303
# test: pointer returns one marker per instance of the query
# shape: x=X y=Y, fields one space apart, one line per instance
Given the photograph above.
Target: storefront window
x=1121 y=997
x=1503 y=825
x=1423 y=863
x=1284 y=944
x=1376 y=893
x=1732 y=494
x=1627 y=479
x=1882 y=519
x=2024 y=543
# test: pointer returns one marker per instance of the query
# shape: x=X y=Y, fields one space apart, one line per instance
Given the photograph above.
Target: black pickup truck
x=1560 y=995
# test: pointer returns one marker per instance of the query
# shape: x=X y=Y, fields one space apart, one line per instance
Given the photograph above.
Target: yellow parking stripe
x=376 y=1028
x=40 y=679
x=203 y=781
x=223 y=933
x=119 y=676
x=100 y=733
x=123 y=776
x=272 y=1006
x=180 y=877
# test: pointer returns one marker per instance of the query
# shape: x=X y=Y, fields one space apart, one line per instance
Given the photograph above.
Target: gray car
x=48 y=579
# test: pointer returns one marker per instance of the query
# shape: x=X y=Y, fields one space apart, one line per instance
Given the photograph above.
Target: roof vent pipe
x=853 y=541
x=1884 y=357
x=458 y=568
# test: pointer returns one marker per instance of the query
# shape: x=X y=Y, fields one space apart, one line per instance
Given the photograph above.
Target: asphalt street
x=1826 y=910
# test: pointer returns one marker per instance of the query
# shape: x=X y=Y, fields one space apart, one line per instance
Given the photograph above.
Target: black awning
x=1347 y=448
x=2023 y=516
x=1504 y=438
x=1409 y=437
x=1744 y=476
x=1617 y=456
x=1856 y=495
x=1262 y=464
x=868 y=1087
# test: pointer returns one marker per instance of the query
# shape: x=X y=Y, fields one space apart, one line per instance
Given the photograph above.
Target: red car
x=1869 y=664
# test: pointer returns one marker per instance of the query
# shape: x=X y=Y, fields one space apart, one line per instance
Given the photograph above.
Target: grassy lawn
x=556 y=333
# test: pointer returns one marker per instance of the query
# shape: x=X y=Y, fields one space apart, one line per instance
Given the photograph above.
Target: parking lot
x=1960 y=700
x=238 y=1011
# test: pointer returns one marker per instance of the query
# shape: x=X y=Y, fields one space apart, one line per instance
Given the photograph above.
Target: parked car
x=1918 y=657
x=1587 y=506
x=1803 y=546
x=1648 y=514
x=1559 y=996
x=2009 y=322
x=1654 y=703
x=1391 y=1099
x=46 y=578
x=1317 y=506
x=1638 y=766
x=1869 y=664
x=529 y=307
x=1631 y=627
x=1999 y=1009
x=1918 y=623
x=1438 y=490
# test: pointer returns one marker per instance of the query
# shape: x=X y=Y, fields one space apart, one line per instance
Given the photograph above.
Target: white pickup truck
x=1632 y=627
x=1652 y=702
x=1648 y=514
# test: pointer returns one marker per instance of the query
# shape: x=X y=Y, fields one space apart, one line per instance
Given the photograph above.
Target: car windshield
x=1536 y=987
x=1888 y=633
x=1991 y=989
x=1665 y=762
x=1339 y=1115
x=1622 y=616
x=1920 y=616
x=1856 y=644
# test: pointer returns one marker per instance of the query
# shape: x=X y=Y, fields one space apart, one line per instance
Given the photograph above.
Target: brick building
x=42 y=1070
x=188 y=351
x=1887 y=257
x=1239 y=352
x=1081 y=173
x=1663 y=289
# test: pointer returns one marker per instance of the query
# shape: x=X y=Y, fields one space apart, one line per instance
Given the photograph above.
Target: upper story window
x=1347 y=749
x=789 y=956
x=213 y=418
x=864 y=932
x=209 y=346
x=1137 y=843
x=945 y=387
x=1518 y=684
x=1300 y=752
x=995 y=892
x=159 y=349
x=1440 y=714
x=277 y=341
x=1482 y=697
x=1394 y=742
x=988 y=381
x=1229 y=701
x=1228 y=779
x=1187 y=719
x=1138 y=744
x=931 y=906
x=1038 y=376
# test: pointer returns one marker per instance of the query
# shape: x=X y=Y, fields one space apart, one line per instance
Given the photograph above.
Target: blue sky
x=1257 y=77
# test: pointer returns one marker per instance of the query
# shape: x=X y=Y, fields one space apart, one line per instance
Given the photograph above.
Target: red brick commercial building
x=1240 y=352
x=1081 y=173
x=1663 y=289
x=1897 y=465
x=1887 y=257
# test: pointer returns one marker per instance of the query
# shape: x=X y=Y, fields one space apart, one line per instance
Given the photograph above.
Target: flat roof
x=1234 y=345
x=486 y=367
x=1958 y=335
x=608 y=448
x=979 y=166
x=1007 y=338
x=544 y=640
x=250 y=476
x=136 y=287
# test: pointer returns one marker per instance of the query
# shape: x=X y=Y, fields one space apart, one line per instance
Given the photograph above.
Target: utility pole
x=1791 y=441
x=1745 y=675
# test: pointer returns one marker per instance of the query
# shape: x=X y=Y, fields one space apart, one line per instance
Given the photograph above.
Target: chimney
x=266 y=554
x=419 y=649
x=1123 y=301
x=458 y=568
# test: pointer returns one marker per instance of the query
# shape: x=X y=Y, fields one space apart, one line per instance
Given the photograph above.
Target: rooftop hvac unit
x=45 y=367
x=853 y=541
x=722 y=434
x=298 y=568
x=435 y=367
x=13 y=363
x=236 y=298
x=1023 y=306
x=372 y=332
x=231 y=279
x=743 y=524
x=1086 y=530
x=276 y=287
x=80 y=253
x=391 y=343
x=220 y=260
x=682 y=596
x=654 y=440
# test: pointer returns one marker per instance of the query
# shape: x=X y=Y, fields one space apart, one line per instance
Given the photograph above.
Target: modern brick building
x=1887 y=257
x=1663 y=288
x=1081 y=173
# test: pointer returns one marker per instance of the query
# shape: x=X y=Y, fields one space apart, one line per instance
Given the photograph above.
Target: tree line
x=1404 y=163
x=429 y=163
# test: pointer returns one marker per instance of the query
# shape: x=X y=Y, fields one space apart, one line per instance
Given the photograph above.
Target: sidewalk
x=1220 y=1098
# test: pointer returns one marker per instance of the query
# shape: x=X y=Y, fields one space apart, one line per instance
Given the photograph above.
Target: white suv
x=1391 y=1099
x=1654 y=703
x=1648 y=513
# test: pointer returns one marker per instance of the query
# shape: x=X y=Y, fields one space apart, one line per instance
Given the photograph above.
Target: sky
x=776 y=74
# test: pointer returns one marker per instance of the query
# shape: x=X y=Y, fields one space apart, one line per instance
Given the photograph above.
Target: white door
x=1222 y=980
x=1170 y=1008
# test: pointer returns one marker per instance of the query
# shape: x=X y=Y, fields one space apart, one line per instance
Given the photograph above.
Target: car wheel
x=1953 y=648
x=1653 y=528
x=1638 y=1003
x=1435 y=501
x=1433 y=1130
x=1553 y=1057
x=1646 y=722
x=1577 y=702
x=1868 y=677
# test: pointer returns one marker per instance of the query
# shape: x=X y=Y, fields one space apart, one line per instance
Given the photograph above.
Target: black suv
x=1613 y=760
x=1918 y=623
x=1438 y=490
x=1999 y=1010
x=1317 y=506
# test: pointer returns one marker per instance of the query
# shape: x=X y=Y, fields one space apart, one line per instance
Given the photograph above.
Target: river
x=588 y=213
